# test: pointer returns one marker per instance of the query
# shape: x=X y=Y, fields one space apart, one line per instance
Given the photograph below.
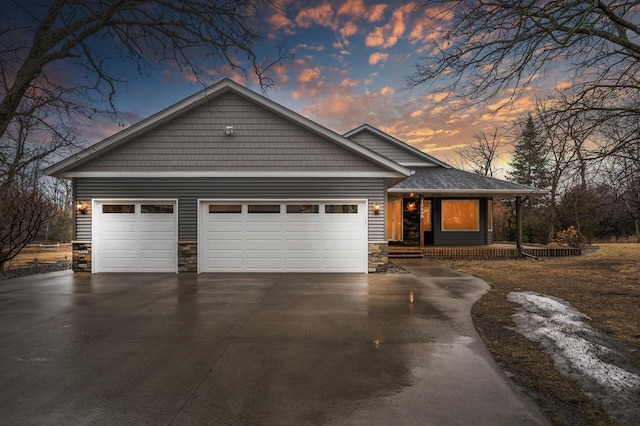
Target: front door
x=411 y=221
x=427 y=222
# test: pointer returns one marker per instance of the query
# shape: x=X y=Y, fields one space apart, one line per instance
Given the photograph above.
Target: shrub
x=570 y=237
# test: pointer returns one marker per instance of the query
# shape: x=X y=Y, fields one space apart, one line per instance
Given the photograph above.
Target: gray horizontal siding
x=386 y=148
x=189 y=190
x=262 y=141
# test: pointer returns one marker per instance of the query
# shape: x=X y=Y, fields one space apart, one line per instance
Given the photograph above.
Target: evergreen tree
x=529 y=163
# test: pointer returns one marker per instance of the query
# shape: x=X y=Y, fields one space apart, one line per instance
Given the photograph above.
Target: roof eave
x=505 y=192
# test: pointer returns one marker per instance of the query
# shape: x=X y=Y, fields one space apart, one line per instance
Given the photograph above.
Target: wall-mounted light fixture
x=228 y=130
x=81 y=208
x=376 y=208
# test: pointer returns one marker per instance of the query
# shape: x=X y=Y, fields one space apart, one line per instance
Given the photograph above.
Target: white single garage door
x=134 y=236
x=283 y=236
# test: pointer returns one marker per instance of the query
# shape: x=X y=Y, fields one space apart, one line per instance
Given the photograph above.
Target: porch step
x=400 y=252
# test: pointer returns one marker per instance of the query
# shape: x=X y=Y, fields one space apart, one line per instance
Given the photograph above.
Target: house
x=228 y=181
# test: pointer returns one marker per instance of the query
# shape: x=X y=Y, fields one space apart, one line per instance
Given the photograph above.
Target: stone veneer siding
x=378 y=257
x=81 y=256
x=187 y=256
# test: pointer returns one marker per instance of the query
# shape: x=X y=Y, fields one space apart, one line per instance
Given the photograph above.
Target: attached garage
x=229 y=181
x=135 y=235
x=282 y=236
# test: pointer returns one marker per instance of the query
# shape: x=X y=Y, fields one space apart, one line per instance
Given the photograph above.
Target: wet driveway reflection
x=241 y=349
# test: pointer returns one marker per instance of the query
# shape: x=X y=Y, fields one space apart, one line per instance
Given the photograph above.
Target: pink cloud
x=308 y=74
x=377 y=57
x=388 y=34
x=322 y=15
x=377 y=12
x=280 y=22
x=349 y=29
x=357 y=9
x=353 y=8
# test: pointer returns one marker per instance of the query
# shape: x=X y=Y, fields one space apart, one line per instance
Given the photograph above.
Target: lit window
x=426 y=216
x=460 y=215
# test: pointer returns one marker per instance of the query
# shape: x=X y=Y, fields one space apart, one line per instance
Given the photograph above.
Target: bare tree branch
x=40 y=38
x=495 y=49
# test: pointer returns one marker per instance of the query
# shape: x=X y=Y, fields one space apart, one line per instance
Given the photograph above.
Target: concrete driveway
x=254 y=349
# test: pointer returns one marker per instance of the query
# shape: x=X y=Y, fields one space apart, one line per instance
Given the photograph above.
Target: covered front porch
x=448 y=213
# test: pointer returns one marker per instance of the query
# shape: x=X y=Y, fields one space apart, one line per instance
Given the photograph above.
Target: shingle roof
x=454 y=181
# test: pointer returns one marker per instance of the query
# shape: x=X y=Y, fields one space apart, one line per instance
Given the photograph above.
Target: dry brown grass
x=32 y=255
x=604 y=285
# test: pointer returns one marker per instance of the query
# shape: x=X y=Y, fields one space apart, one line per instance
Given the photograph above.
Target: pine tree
x=529 y=163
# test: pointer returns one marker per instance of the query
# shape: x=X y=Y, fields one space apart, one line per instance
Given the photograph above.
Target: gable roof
x=73 y=165
x=451 y=181
x=395 y=149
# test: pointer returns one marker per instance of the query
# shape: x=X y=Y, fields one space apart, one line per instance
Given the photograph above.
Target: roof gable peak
x=396 y=143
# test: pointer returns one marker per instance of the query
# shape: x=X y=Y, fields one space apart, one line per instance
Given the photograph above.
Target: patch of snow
x=578 y=351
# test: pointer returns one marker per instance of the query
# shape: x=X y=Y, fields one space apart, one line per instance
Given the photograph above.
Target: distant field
x=32 y=255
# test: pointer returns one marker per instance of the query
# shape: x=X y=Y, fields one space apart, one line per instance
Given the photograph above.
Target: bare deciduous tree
x=24 y=208
x=481 y=155
x=495 y=48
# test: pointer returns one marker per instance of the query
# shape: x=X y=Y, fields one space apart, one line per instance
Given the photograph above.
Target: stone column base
x=187 y=256
x=81 y=256
x=378 y=257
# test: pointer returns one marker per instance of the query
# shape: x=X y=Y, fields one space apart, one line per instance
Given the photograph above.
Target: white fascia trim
x=415 y=164
x=232 y=174
x=469 y=191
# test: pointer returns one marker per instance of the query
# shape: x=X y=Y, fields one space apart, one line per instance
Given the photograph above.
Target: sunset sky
x=350 y=58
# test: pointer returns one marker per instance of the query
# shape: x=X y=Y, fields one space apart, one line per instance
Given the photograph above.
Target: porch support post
x=421 y=216
x=519 y=224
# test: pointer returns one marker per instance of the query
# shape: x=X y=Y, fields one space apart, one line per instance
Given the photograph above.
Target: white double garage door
x=233 y=236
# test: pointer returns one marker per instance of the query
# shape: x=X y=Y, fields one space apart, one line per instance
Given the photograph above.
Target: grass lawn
x=605 y=285
x=32 y=255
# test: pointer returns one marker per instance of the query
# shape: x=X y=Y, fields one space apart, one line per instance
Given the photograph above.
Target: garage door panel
x=224 y=226
x=315 y=245
x=252 y=225
x=152 y=264
x=157 y=245
x=111 y=248
x=163 y=227
x=264 y=264
x=116 y=264
x=263 y=245
x=293 y=241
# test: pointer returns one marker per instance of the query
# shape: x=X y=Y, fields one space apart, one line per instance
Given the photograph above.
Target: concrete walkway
x=254 y=349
